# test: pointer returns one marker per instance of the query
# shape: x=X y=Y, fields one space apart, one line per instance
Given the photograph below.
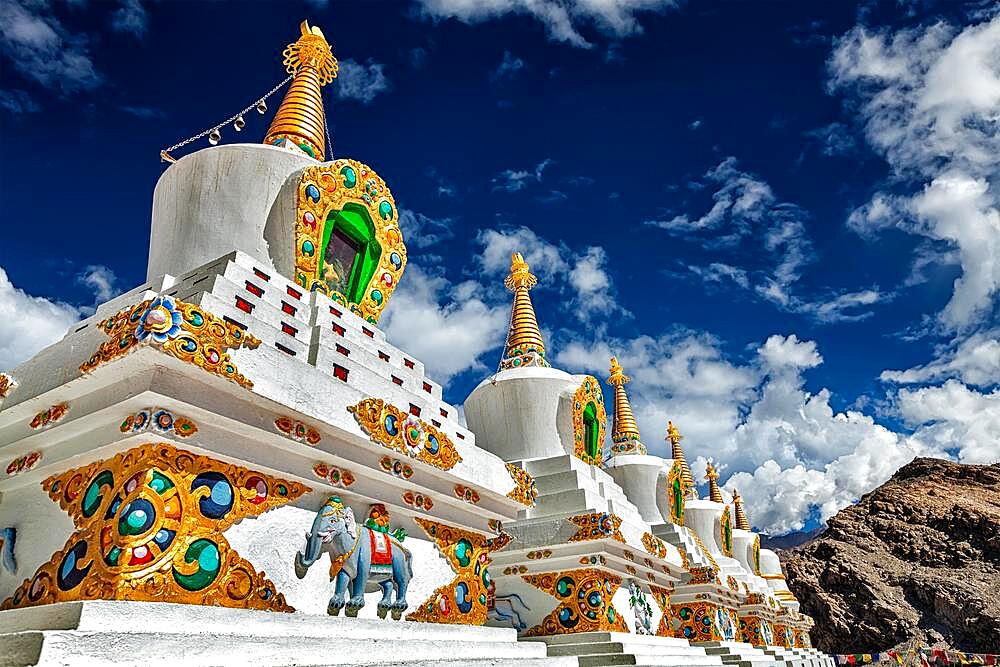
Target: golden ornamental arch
x=346 y=201
x=589 y=394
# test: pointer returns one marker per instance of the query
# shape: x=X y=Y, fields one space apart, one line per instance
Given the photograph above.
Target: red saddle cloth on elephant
x=381 y=548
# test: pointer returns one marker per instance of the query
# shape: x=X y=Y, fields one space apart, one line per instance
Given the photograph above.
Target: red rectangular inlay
x=383 y=356
x=436 y=423
x=288 y=308
x=444 y=413
x=294 y=293
x=343 y=350
x=427 y=387
x=368 y=332
x=290 y=330
x=244 y=305
x=340 y=372
x=407 y=363
x=397 y=381
x=334 y=311
x=337 y=329
x=414 y=410
x=460 y=436
x=260 y=274
x=253 y=289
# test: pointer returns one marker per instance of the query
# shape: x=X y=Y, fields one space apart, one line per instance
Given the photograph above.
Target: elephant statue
x=361 y=560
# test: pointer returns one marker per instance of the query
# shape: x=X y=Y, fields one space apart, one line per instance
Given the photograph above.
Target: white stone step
x=690 y=654
x=127 y=634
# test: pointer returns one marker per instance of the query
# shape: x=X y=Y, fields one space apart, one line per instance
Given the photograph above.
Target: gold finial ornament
x=712 y=475
x=625 y=434
x=676 y=453
x=300 y=118
x=524 y=341
x=742 y=523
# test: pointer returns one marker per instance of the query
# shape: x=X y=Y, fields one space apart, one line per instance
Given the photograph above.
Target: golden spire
x=524 y=340
x=741 y=518
x=625 y=434
x=712 y=475
x=676 y=453
x=300 y=118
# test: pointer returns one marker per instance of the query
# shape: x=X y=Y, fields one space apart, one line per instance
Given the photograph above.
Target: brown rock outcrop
x=919 y=557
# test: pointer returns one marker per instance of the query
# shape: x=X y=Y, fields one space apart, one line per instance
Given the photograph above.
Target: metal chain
x=228 y=120
x=329 y=139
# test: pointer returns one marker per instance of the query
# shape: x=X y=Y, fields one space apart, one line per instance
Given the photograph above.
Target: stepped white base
x=597 y=649
x=739 y=654
x=123 y=634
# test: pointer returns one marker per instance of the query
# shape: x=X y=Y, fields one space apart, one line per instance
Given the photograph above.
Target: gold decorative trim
x=540 y=554
x=702 y=622
x=23 y=463
x=465 y=599
x=325 y=189
x=298 y=431
x=584 y=602
x=395 y=467
x=7 y=385
x=596 y=526
x=336 y=476
x=390 y=427
x=588 y=392
x=726 y=532
x=158 y=420
x=524 y=490
x=47 y=418
x=756 y=631
x=417 y=500
x=149 y=526
x=186 y=331
x=654 y=545
x=467 y=494
x=676 y=492
x=661 y=596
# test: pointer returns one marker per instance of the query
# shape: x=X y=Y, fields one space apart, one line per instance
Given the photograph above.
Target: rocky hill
x=917 y=557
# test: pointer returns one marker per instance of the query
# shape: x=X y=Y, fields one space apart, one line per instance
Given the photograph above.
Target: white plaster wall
x=271 y=541
x=214 y=201
x=637 y=475
x=42 y=529
x=742 y=547
x=702 y=516
x=523 y=413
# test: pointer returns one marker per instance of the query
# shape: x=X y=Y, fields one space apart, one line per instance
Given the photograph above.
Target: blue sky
x=782 y=216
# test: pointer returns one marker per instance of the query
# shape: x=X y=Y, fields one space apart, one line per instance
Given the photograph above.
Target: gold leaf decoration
x=465 y=599
x=392 y=428
x=183 y=330
x=584 y=602
x=149 y=525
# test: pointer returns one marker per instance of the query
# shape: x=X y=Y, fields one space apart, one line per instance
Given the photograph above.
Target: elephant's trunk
x=304 y=559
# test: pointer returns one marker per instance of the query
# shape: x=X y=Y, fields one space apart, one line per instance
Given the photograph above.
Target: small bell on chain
x=214 y=137
x=261 y=107
x=239 y=123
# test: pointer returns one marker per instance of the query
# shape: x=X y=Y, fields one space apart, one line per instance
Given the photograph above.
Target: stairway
x=120 y=634
x=597 y=649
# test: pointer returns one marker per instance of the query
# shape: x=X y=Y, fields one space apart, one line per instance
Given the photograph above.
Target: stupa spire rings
x=712 y=475
x=625 y=434
x=677 y=453
x=300 y=119
x=525 y=346
x=742 y=523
